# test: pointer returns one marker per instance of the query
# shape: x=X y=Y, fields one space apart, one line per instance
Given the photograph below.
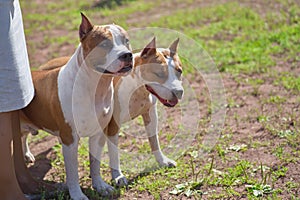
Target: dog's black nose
x=178 y=93
x=126 y=57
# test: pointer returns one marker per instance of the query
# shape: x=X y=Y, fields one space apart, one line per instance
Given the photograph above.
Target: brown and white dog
x=156 y=75
x=76 y=100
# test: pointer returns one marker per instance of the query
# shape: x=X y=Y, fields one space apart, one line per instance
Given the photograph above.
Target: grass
x=289 y=81
x=256 y=49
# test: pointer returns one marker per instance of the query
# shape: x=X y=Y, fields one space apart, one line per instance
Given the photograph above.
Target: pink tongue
x=170 y=102
x=123 y=64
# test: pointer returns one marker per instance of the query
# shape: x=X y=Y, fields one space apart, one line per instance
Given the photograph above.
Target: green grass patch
x=239 y=40
x=289 y=82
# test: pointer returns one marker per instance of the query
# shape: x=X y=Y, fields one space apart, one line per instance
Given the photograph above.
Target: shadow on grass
x=93 y=195
x=38 y=170
x=147 y=171
x=144 y=173
x=41 y=166
x=60 y=191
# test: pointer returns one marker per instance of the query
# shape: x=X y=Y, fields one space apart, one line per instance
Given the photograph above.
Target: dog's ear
x=149 y=49
x=173 y=47
x=85 y=26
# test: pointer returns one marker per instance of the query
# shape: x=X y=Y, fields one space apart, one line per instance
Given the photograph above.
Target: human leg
x=9 y=187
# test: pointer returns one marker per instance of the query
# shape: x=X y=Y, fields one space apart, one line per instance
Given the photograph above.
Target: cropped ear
x=173 y=47
x=85 y=27
x=149 y=49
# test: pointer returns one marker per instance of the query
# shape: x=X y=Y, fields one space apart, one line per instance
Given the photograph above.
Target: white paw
x=166 y=162
x=29 y=157
x=119 y=179
x=103 y=188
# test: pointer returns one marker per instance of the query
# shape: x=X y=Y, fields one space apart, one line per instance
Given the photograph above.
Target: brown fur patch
x=44 y=111
x=178 y=65
x=139 y=102
x=116 y=80
x=112 y=128
x=153 y=68
x=55 y=63
x=97 y=44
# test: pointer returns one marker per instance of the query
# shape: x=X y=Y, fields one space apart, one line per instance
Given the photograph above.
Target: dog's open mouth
x=126 y=68
x=166 y=102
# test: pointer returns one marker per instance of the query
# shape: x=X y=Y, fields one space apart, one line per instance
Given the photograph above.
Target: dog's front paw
x=166 y=162
x=120 y=181
x=118 y=178
x=29 y=157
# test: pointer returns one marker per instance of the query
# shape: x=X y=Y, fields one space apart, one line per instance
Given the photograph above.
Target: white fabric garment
x=16 y=87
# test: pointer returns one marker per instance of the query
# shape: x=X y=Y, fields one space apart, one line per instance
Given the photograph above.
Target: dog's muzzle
x=126 y=60
x=167 y=102
x=126 y=57
x=178 y=93
x=126 y=65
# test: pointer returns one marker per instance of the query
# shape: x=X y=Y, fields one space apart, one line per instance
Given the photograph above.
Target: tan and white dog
x=156 y=75
x=76 y=100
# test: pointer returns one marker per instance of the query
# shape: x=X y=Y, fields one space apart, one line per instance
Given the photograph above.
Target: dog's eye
x=105 y=44
x=178 y=74
x=126 y=41
x=159 y=74
x=179 y=70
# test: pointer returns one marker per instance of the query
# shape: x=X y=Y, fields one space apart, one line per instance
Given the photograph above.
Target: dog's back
x=55 y=63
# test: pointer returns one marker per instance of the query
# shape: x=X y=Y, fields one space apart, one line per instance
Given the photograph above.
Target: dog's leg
x=150 y=120
x=71 y=164
x=29 y=157
x=114 y=161
x=96 y=144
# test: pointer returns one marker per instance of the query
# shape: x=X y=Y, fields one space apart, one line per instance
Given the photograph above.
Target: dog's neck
x=81 y=86
x=78 y=69
x=135 y=77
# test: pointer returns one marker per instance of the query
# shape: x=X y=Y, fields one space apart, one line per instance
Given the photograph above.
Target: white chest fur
x=86 y=98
